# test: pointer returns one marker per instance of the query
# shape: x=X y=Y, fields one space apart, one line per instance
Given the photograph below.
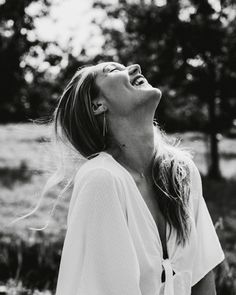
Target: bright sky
x=70 y=18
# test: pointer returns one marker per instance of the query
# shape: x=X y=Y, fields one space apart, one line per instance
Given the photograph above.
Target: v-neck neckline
x=144 y=205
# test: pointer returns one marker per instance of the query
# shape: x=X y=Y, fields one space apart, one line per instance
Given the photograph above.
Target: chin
x=158 y=92
x=155 y=93
x=147 y=93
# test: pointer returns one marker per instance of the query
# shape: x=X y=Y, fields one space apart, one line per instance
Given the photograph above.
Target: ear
x=98 y=108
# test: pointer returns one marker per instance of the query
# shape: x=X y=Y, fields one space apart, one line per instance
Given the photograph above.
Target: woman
x=137 y=221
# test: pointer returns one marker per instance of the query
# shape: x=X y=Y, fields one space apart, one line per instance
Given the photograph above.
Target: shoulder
x=195 y=186
x=195 y=176
x=98 y=187
x=98 y=177
x=190 y=167
x=193 y=168
x=97 y=169
x=97 y=184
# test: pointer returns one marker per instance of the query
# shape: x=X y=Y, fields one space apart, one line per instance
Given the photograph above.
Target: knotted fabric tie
x=169 y=282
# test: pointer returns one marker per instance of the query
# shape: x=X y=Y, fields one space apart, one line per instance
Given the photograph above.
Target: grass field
x=25 y=164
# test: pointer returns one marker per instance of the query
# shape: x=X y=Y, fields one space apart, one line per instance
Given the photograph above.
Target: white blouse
x=112 y=244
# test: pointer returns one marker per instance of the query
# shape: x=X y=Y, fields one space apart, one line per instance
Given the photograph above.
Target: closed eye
x=112 y=70
x=117 y=69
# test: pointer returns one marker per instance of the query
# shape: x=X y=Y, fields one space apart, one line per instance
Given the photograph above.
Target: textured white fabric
x=112 y=245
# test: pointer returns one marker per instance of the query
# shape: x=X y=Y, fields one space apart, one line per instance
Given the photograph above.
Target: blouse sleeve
x=98 y=243
x=208 y=251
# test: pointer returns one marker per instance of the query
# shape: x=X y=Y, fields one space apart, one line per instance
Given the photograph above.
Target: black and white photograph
x=117 y=147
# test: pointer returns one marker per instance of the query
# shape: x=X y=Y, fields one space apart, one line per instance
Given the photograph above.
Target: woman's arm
x=208 y=251
x=206 y=286
x=98 y=257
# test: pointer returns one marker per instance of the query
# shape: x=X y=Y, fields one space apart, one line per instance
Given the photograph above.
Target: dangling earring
x=104 y=129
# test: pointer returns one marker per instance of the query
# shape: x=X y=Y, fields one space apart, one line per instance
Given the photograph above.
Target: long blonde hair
x=78 y=135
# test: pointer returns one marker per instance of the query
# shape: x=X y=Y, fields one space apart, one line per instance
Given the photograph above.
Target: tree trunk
x=214 y=169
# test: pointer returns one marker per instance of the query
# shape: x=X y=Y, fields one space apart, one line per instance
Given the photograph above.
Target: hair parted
x=77 y=132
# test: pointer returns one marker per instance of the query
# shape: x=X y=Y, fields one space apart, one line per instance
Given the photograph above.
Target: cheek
x=116 y=91
x=115 y=88
x=121 y=104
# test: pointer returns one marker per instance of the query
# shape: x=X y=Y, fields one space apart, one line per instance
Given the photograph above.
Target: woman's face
x=124 y=88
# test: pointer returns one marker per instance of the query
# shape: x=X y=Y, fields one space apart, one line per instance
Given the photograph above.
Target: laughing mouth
x=138 y=80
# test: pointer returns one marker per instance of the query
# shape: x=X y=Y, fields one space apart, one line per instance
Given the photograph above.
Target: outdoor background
x=186 y=48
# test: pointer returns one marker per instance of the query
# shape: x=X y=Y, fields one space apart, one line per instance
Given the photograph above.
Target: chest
x=149 y=195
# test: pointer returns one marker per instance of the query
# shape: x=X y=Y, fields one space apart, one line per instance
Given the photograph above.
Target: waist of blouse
x=169 y=281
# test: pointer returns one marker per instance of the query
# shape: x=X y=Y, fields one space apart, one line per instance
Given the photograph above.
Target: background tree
x=207 y=41
x=187 y=48
x=24 y=90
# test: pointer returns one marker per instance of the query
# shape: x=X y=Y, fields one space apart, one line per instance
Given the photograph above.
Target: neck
x=134 y=146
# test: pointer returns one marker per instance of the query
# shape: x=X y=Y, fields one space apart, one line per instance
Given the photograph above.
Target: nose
x=134 y=69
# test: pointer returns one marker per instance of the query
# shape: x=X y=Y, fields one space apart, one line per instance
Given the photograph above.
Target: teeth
x=139 y=81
